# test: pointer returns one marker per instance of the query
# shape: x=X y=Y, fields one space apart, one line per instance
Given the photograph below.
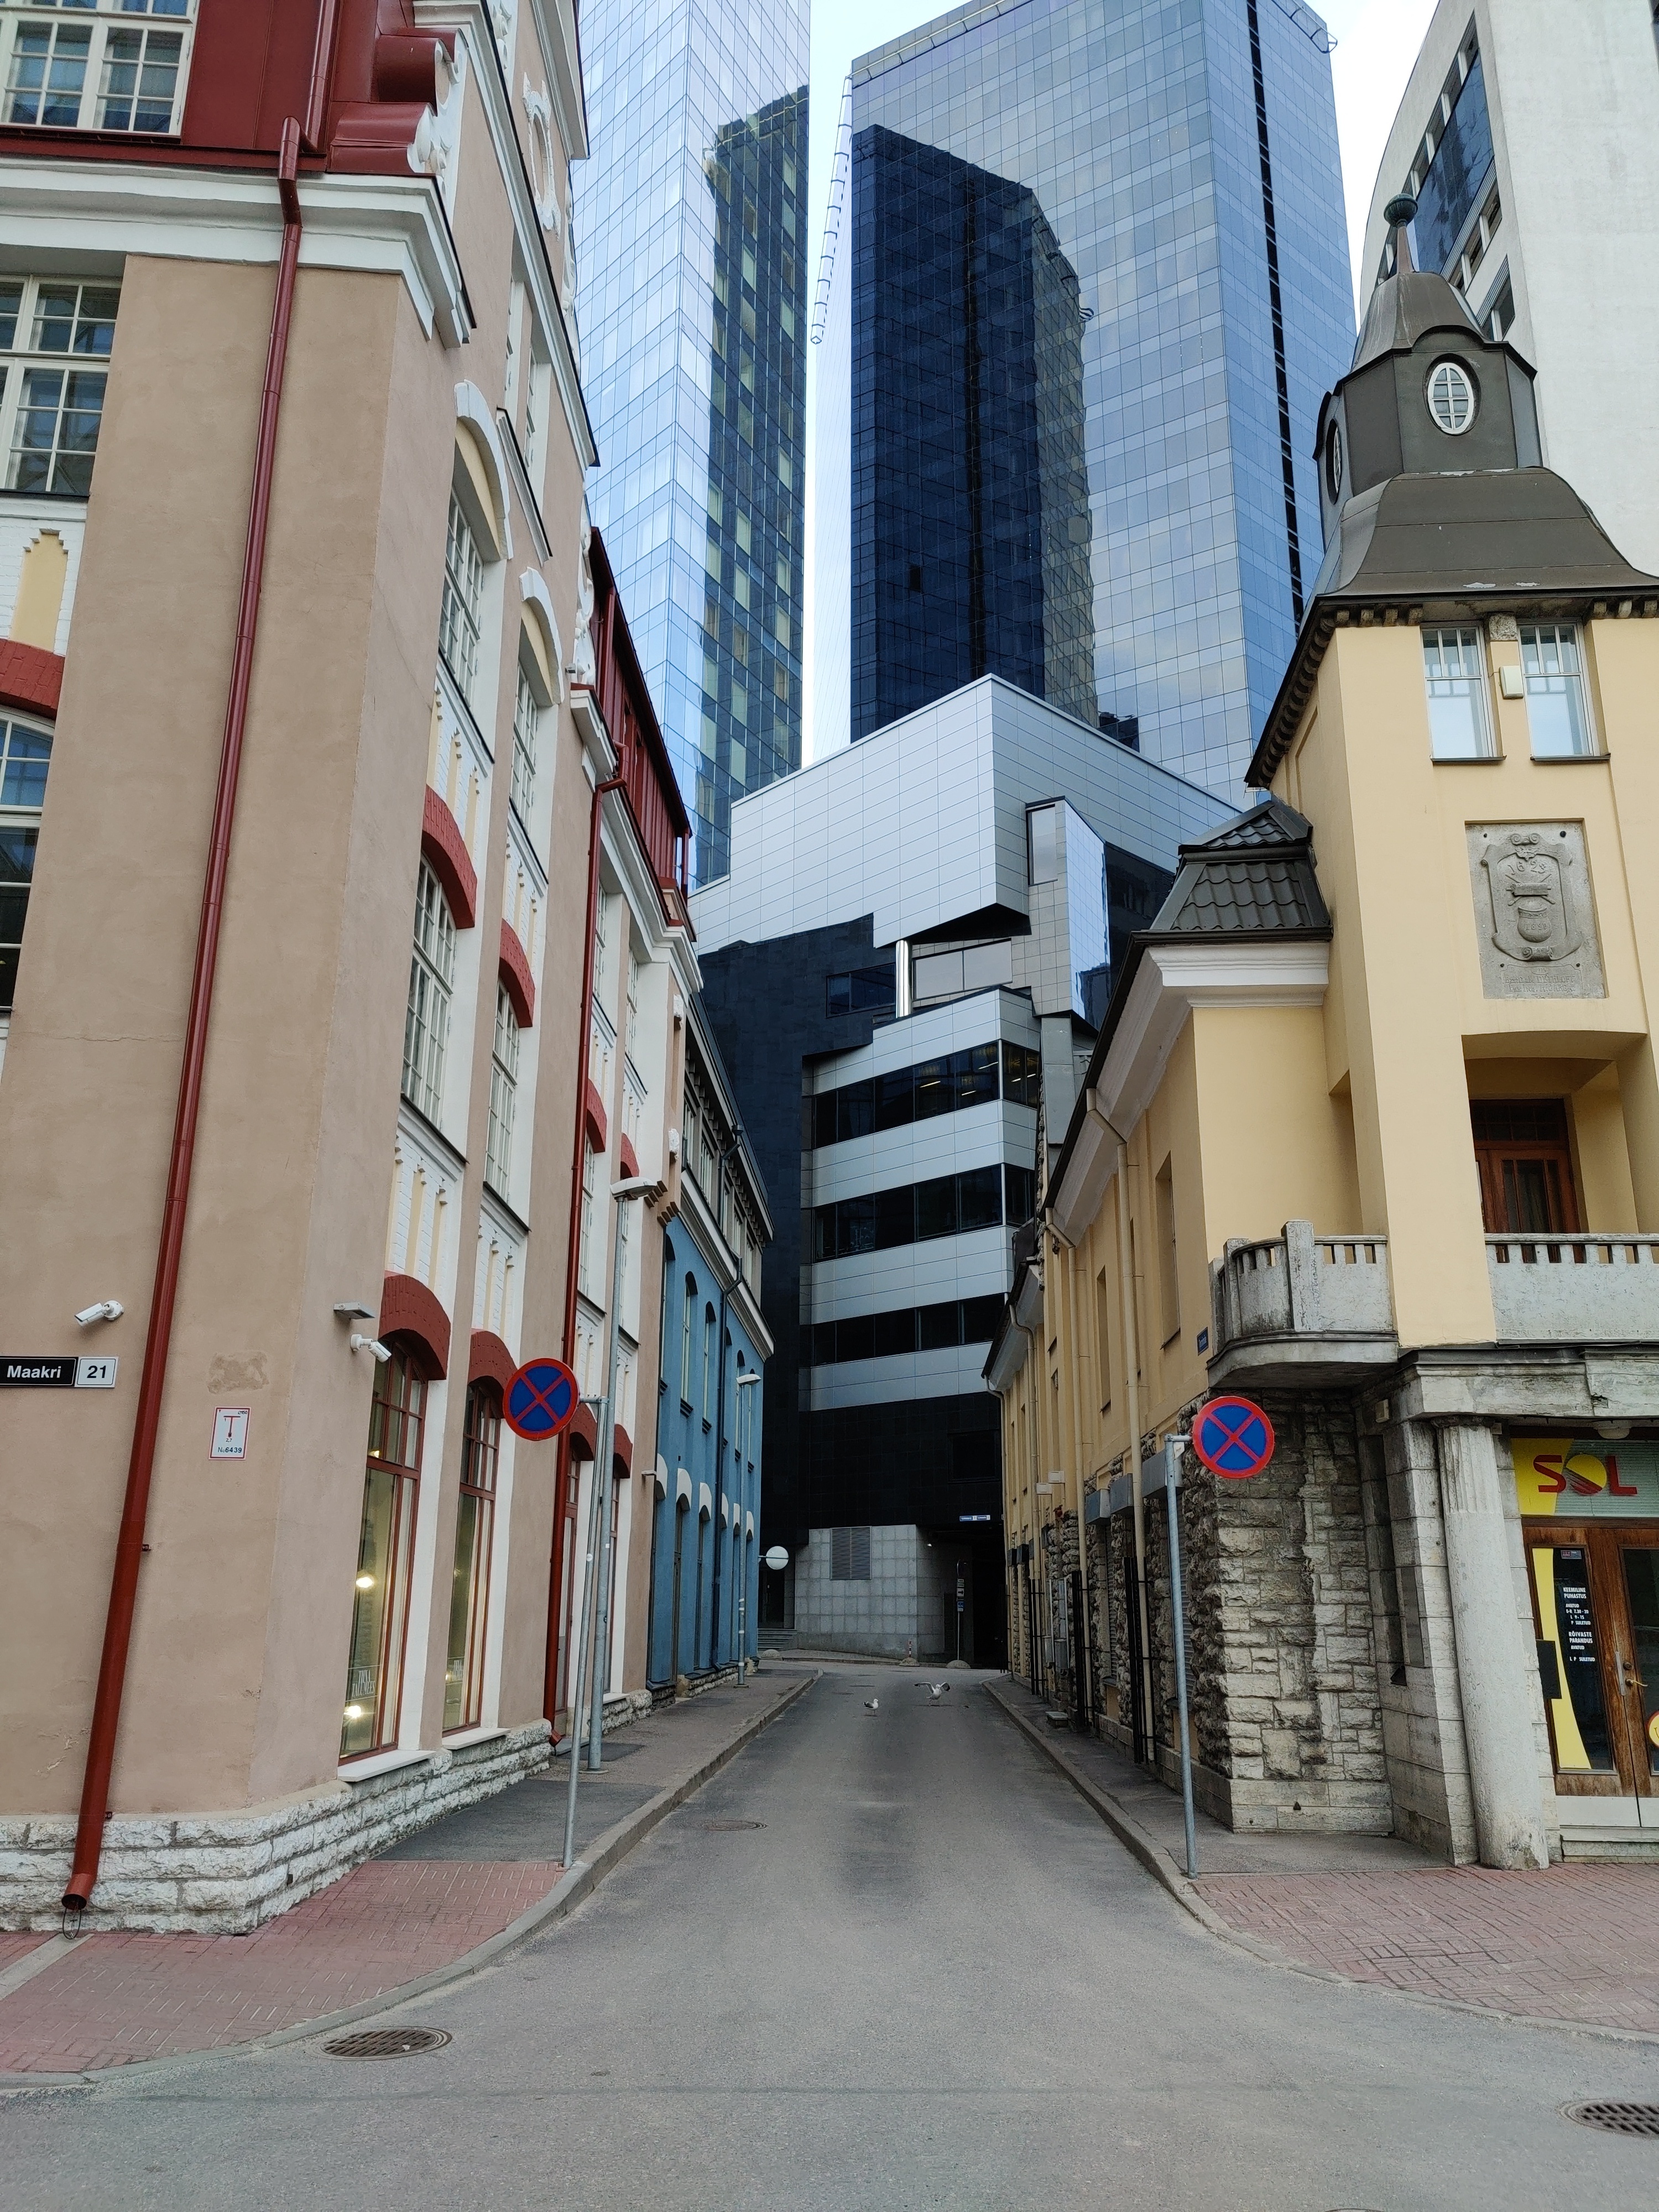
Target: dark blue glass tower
x=1134 y=204
x=971 y=495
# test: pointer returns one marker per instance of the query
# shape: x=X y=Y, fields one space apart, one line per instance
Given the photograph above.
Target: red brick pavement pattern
x=14 y=1946
x=119 y=1997
x=1566 y=1942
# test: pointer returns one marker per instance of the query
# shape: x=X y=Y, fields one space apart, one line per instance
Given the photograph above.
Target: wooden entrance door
x=1596 y=1613
x=1526 y=1166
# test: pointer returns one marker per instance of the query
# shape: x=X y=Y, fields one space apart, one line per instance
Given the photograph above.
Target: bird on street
x=935 y=1691
x=872 y=1704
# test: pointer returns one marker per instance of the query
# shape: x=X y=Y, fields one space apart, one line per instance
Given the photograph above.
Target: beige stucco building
x=342 y=947
x=1370 y=1135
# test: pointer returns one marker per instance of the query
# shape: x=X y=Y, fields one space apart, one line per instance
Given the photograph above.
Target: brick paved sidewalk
x=1578 y=1942
x=113 y=1998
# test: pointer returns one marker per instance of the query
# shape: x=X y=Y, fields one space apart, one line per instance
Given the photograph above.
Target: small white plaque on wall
x=229 y=1432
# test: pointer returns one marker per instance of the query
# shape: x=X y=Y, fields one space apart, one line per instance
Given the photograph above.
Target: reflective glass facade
x=691 y=223
x=1131 y=204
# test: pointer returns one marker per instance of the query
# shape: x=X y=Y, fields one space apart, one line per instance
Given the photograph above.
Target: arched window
x=380 y=1611
x=708 y=1363
x=431 y=982
x=475 y=1530
x=687 y=1311
x=461 y=615
x=527 y=708
x=503 y=1095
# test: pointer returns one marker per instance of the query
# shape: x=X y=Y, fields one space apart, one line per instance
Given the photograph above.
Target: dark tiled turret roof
x=1253 y=875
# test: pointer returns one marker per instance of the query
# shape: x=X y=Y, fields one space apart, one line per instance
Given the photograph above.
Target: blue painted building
x=705 y=1545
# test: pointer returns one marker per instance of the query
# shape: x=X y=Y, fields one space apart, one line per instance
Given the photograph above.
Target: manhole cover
x=387 y=2042
x=730 y=1827
x=1616 y=2119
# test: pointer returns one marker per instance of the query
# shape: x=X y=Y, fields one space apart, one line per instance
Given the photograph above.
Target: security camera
x=370 y=1343
x=105 y=1309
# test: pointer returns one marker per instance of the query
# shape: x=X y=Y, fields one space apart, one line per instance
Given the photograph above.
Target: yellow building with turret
x=1370 y=1135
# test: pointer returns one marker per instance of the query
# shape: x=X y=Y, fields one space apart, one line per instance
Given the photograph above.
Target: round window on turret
x=1334 y=461
x=1452 y=397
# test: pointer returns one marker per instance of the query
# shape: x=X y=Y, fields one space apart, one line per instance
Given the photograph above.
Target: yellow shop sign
x=1587 y=1478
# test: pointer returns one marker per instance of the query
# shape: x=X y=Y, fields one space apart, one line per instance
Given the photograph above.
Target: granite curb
x=1143 y=1846
x=609 y=1847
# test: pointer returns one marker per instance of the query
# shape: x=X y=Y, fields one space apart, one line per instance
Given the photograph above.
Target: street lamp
x=599 y=1536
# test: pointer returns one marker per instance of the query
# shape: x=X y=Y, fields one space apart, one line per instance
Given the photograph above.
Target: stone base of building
x=224 y=1873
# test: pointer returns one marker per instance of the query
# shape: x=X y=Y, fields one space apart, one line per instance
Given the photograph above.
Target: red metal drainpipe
x=130 y=1544
x=556 y=1588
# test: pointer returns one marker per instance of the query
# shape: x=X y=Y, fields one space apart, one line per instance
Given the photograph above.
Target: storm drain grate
x=730 y=1827
x=1616 y=2119
x=387 y=2042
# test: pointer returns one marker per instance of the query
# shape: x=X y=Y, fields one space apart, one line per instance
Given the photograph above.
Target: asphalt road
x=930 y=1978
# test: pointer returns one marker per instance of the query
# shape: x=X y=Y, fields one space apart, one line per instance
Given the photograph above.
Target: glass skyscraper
x=691 y=223
x=1092 y=283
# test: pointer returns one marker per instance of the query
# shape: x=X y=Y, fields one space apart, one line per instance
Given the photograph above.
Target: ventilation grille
x=1617 y=2119
x=387 y=2042
x=849 y=1555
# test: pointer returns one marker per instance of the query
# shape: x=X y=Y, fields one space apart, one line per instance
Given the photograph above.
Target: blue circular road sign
x=1233 y=1437
x=541 y=1398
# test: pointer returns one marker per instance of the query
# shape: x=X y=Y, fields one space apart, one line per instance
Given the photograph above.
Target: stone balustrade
x=1570 y=1289
x=1316 y=1307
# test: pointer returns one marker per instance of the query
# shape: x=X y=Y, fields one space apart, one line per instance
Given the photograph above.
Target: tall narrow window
x=380 y=1610
x=431 y=981
x=1525 y=1160
x=462 y=612
x=475 y=1528
x=1169 y=1276
x=588 y=1258
x=687 y=1318
x=526 y=720
x=503 y=1095
x=1556 y=706
x=708 y=1363
x=1455 y=665
x=25 y=755
x=1103 y=1338
x=55 y=339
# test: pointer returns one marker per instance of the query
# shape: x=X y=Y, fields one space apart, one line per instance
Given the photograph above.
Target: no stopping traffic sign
x=1233 y=1437
x=541 y=1398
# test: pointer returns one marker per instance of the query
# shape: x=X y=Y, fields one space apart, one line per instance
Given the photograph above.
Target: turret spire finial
x=1398 y=215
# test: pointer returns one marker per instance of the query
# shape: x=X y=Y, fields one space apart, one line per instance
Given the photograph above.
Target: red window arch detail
x=621 y=1449
x=515 y=975
x=442 y=843
x=409 y=1309
x=630 y=1158
x=584 y=1434
x=593 y=1110
x=30 y=678
x=489 y=1360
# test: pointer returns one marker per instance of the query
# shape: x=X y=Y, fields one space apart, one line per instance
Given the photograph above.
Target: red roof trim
x=516 y=976
x=583 y=1430
x=621 y=1449
x=409 y=1309
x=31 y=679
x=630 y=1158
x=444 y=847
x=488 y=1359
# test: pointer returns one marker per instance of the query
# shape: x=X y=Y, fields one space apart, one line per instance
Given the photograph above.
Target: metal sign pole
x=1171 y=1487
x=573 y=1686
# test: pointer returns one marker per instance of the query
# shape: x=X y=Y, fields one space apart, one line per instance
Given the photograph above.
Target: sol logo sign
x=1586 y=1479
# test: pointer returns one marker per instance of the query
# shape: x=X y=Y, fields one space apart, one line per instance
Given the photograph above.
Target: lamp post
x=599 y=1537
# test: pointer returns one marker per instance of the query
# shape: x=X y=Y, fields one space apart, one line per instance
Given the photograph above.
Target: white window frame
x=503 y=1095
x=527 y=712
x=27 y=366
x=94 y=77
x=1542 y=643
x=1470 y=682
x=461 y=618
x=585 y=1254
x=20 y=741
x=431 y=993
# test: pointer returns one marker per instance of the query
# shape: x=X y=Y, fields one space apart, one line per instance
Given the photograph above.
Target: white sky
x=1376 y=42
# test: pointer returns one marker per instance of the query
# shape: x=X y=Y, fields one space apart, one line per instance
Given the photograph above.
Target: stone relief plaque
x=1533 y=914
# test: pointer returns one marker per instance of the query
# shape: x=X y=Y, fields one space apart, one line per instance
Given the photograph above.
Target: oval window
x=1334 y=461
x=1451 y=397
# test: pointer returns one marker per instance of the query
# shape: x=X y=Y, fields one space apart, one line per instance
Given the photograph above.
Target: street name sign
x=52 y=1371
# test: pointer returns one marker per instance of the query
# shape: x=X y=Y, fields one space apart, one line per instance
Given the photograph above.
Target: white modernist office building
x=1528 y=136
x=903 y=970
